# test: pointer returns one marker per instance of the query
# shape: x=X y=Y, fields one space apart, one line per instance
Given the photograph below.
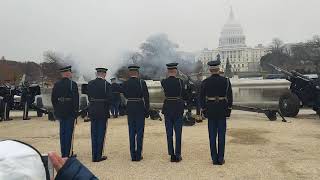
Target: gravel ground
x=256 y=148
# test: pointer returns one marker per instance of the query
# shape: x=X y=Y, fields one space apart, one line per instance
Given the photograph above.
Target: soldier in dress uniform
x=1 y=104
x=138 y=105
x=65 y=101
x=216 y=102
x=8 y=101
x=173 y=109
x=198 y=104
x=99 y=94
x=116 y=90
x=26 y=100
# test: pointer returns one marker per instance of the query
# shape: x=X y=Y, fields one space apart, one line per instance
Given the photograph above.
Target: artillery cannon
x=304 y=92
x=18 y=94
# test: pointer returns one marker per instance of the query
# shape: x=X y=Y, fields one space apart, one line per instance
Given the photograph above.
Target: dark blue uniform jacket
x=116 y=90
x=69 y=107
x=136 y=88
x=213 y=86
x=173 y=87
x=99 y=94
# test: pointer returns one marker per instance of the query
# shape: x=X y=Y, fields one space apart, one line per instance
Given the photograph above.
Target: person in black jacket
x=70 y=168
x=216 y=102
x=99 y=94
x=8 y=100
x=138 y=105
x=65 y=101
x=173 y=109
x=116 y=90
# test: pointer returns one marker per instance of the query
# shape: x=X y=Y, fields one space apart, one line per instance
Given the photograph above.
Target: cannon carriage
x=304 y=92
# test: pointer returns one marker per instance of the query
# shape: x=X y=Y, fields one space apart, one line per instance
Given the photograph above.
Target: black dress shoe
x=101 y=159
x=139 y=159
x=27 y=119
x=178 y=158
x=173 y=158
x=221 y=162
x=134 y=158
x=215 y=162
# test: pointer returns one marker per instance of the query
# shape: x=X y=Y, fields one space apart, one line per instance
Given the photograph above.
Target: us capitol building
x=232 y=46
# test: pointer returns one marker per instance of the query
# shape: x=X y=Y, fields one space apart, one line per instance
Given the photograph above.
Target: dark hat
x=214 y=64
x=172 y=65
x=104 y=70
x=65 y=69
x=113 y=79
x=133 y=67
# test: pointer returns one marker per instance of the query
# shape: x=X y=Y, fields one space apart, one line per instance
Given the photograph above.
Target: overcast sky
x=96 y=32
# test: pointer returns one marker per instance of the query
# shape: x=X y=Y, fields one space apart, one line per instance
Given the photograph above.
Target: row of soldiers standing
x=215 y=100
x=7 y=101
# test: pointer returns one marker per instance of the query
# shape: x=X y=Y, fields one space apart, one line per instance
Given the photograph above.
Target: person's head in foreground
x=19 y=160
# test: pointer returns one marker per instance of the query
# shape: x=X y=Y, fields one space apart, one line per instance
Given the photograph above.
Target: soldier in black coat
x=216 y=102
x=26 y=100
x=173 y=109
x=65 y=101
x=8 y=100
x=138 y=105
x=99 y=94
x=116 y=90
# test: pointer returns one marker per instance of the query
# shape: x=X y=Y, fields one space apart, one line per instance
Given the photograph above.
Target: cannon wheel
x=289 y=104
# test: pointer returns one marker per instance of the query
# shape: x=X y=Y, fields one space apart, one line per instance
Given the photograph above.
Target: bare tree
x=277 y=45
x=51 y=65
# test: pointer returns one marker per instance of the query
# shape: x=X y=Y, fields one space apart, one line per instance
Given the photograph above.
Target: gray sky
x=96 y=32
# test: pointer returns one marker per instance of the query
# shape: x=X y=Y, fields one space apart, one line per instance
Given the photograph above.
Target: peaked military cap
x=214 y=64
x=101 y=70
x=65 y=69
x=172 y=65
x=133 y=67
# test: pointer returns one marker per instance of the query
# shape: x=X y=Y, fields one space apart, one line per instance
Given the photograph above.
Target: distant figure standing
x=138 y=105
x=116 y=90
x=198 y=104
x=216 y=102
x=99 y=94
x=173 y=109
x=65 y=101
x=26 y=100
x=8 y=101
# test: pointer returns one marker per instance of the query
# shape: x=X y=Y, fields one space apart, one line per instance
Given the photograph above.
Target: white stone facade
x=232 y=46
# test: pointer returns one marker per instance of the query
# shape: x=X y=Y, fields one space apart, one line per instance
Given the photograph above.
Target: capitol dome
x=232 y=34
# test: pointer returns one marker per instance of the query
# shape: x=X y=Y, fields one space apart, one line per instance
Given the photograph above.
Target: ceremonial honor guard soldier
x=99 y=94
x=116 y=90
x=8 y=100
x=65 y=101
x=26 y=100
x=136 y=92
x=173 y=109
x=1 y=107
x=216 y=102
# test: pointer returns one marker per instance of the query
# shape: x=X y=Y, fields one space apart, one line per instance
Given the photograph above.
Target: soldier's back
x=174 y=92
x=132 y=89
x=64 y=97
x=215 y=86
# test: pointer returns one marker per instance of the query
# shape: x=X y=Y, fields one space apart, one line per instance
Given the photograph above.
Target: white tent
x=20 y=161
